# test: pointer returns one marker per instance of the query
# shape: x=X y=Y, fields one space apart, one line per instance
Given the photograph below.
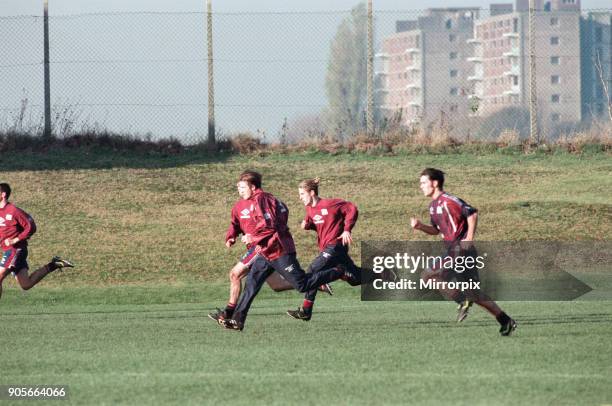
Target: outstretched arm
x=416 y=224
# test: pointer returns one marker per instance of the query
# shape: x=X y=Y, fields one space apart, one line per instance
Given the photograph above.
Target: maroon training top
x=330 y=218
x=15 y=222
x=271 y=232
x=449 y=215
x=242 y=220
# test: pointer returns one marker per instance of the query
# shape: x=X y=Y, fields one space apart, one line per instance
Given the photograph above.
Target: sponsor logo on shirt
x=324 y=212
x=245 y=214
x=318 y=219
x=9 y=217
x=439 y=210
x=289 y=268
x=2 y=223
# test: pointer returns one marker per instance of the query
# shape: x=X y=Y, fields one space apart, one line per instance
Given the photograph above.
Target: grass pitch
x=129 y=326
x=135 y=345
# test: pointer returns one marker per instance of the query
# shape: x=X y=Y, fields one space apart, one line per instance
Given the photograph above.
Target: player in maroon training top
x=16 y=227
x=274 y=243
x=333 y=220
x=456 y=221
x=243 y=222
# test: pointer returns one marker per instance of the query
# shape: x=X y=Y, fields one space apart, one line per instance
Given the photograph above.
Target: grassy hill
x=149 y=219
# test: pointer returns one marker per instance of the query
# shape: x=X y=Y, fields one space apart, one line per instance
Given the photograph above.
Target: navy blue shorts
x=14 y=259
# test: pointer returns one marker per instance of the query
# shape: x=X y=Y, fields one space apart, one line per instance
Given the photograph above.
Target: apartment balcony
x=413 y=66
x=514 y=91
x=510 y=35
x=381 y=90
x=475 y=59
x=474 y=41
x=475 y=96
x=475 y=78
x=413 y=86
x=412 y=51
x=513 y=71
x=382 y=55
x=513 y=53
x=381 y=73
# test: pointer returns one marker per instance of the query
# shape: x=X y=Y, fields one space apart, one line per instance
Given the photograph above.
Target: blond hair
x=310 y=184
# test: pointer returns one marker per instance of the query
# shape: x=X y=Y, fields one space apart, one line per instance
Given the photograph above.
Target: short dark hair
x=251 y=177
x=5 y=188
x=434 y=174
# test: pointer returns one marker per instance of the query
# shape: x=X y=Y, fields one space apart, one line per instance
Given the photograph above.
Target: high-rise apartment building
x=425 y=67
x=500 y=57
x=596 y=38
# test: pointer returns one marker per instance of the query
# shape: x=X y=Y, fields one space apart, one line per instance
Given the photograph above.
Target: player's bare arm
x=346 y=238
x=416 y=224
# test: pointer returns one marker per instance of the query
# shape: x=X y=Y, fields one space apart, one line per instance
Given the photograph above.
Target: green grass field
x=156 y=346
x=129 y=326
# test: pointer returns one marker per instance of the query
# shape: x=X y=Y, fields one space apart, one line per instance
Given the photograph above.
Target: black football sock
x=503 y=318
x=229 y=309
x=459 y=297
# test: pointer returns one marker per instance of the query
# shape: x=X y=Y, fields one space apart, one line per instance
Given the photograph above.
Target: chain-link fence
x=290 y=77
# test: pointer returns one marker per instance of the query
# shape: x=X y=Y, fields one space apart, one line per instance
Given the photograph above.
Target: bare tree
x=604 y=84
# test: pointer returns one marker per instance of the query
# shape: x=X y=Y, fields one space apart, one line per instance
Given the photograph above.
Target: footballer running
x=242 y=222
x=333 y=220
x=456 y=221
x=274 y=242
x=16 y=228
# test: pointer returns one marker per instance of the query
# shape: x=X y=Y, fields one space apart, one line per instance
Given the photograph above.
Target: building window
x=598 y=34
x=554 y=60
x=453 y=55
x=453 y=108
x=454 y=91
x=555 y=117
x=554 y=21
x=451 y=38
x=515 y=25
x=555 y=98
x=453 y=73
x=449 y=24
x=554 y=40
x=515 y=80
x=555 y=79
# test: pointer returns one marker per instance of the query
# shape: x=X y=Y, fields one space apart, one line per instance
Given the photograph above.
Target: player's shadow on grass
x=92 y=158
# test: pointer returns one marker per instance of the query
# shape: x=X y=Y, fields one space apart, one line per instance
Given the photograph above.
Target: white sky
x=34 y=7
x=146 y=73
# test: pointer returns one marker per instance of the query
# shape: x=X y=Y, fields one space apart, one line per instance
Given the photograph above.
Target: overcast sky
x=17 y=7
x=147 y=73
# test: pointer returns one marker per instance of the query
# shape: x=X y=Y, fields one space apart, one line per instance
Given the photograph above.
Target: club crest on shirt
x=244 y=214
x=439 y=210
x=318 y=219
x=9 y=217
x=324 y=212
x=2 y=223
